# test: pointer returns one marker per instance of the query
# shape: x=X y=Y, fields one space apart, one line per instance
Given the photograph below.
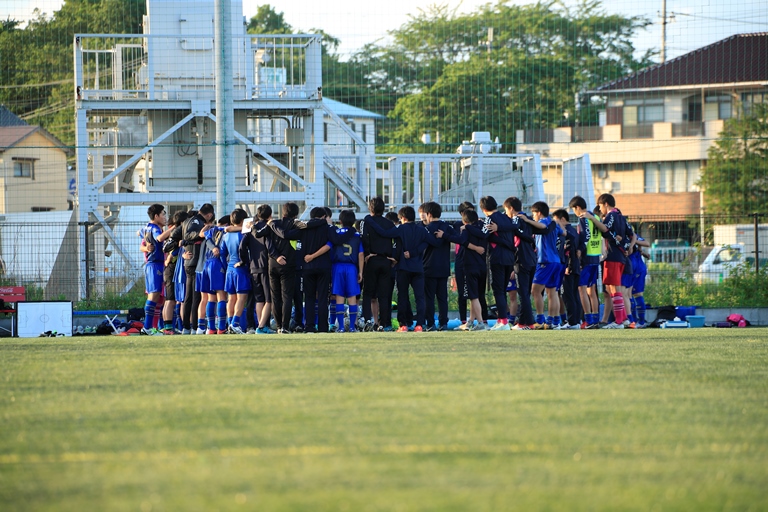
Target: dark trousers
x=282 y=281
x=436 y=287
x=415 y=280
x=298 y=298
x=500 y=275
x=316 y=282
x=571 y=298
x=377 y=281
x=524 y=277
x=191 y=301
x=462 y=297
x=482 y=282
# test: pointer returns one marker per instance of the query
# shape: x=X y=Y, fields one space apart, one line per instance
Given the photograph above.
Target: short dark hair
x=376 y=205
x=392 y=216
x=191 y=213
x=434 y=209
x=541 y=207
x=328 y=212
x=223 y=221
x=179 y=217
x=318 y=212
x=263 y=211
x=607 y=199
x=466 y=205
x=407 y=213
x=206 y=209
x=514 y=203
x=577 y=201
x=347 y=218
x=237 y=216
x=290 y=210
x=561 y=214
x=488 y=204
x=469 y=216
x=421 y=208
x=155 y=209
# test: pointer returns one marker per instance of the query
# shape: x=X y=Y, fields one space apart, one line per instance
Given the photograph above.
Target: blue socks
x=221 y=315
x=352 y=317
x=210 y=315
x=149 y=314
x=640 y=302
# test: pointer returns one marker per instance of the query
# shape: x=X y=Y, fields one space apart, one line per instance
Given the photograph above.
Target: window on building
x=364 y=132
x=717 y=107
x=325 y=132
x=750 y=98
x=24 y=168
x=665 y=177
x=643 y=111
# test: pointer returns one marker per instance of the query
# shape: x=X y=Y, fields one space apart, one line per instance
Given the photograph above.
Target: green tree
x=268 y=21
x=36 y=62
x=735 y=180
x=503 y=68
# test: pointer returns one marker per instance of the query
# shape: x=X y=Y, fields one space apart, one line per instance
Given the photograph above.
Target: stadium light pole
x=225 y=119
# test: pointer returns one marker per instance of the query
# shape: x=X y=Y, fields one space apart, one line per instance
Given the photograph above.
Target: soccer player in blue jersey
x=212 y=280
x=153 y=268
x=549 y=269
x=347 y=270
x=639 y=273
x=237 y=282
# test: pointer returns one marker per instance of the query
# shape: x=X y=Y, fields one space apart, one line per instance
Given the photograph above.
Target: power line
x=718 y=19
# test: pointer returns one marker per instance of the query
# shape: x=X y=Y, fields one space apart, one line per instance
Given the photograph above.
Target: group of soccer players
x=270 y=275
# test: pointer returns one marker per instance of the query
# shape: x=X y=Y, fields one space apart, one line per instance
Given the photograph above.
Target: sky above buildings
x=695 y=23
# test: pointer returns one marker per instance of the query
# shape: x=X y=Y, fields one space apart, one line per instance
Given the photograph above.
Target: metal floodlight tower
x=225 y=118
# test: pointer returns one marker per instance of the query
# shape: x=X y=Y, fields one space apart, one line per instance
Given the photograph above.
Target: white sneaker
x=569 y=326
x=560 y=327
x=498 y=326
x=480 y=326
x=613 y=325
x=235 y=329
x=200 y=331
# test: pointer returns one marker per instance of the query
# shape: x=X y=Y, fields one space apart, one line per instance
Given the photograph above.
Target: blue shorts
x=548 y=274
x=344 y=280
x=153 y=277
x=589 y=275
x=638 y=283
x=627 y=280
x=237 y=281
x=214 y=276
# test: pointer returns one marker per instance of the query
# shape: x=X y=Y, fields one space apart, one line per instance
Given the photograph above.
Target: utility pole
x=663 y=30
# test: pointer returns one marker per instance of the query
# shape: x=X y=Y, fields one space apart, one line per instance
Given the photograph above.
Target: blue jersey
x=349 y=250
x=149 y=234
x=230 y=248
x=213 y=240
x=546 y=243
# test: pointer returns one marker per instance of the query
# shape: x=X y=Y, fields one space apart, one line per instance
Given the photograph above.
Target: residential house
x=33 y=168
x=652 y=140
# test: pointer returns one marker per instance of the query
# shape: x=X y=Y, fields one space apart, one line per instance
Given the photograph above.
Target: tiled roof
x=739 y=58
x=12 y=135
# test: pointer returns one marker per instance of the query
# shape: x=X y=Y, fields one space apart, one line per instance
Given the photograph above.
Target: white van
x=719 y=263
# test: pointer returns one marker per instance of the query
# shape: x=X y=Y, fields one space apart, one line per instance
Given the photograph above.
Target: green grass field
x=587 y=420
